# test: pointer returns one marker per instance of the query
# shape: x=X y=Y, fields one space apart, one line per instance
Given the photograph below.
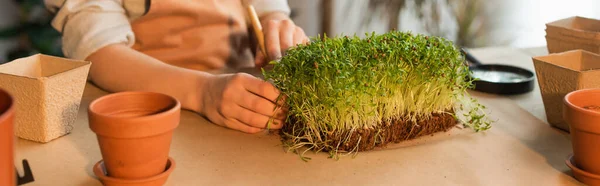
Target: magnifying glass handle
x=27 y=176
x=470 y=57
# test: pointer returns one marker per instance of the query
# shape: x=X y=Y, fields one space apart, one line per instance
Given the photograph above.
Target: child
x=167 y=45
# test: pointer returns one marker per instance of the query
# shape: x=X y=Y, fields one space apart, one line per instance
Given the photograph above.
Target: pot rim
x=579 y=92
x=99 y=172
x=97 y=101
x=164 y=121
x=4 y=114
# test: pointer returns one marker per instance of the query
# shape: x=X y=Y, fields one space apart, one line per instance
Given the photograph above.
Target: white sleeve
x=88 y=25
x=267 y=6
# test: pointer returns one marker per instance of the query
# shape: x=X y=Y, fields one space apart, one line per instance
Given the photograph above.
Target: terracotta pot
x=134 y=131
x=582 y=112
x=7 y=139
x=158 y=180
x=581 y=175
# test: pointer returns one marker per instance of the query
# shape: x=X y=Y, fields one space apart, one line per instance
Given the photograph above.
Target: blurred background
x=25 y=29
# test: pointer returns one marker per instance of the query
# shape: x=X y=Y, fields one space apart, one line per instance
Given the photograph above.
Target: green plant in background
x=468 y=15
x=340 y=88
x=470 y=18
x=34 y=32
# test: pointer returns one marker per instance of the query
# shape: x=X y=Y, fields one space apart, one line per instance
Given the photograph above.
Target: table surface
x=520 y=149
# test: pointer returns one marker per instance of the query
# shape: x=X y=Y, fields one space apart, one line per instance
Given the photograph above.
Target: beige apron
x=195 y=34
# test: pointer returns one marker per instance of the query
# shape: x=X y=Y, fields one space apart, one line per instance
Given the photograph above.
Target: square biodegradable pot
x=561 y=73
x=573 y=33
x=47 y=92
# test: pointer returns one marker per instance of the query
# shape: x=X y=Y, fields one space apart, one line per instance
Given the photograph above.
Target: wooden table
x=532 y=102
x=520 y=149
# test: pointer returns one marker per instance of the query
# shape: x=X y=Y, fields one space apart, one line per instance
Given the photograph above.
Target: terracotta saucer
x=158 y=180
x=581 y=175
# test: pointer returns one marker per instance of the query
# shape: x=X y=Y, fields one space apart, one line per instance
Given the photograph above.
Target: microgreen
x=340 y=84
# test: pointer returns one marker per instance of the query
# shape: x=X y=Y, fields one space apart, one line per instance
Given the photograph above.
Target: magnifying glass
x=499 y=79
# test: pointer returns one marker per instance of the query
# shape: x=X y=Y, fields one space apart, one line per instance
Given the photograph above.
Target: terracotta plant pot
x=581 y=175
x=134 y=131
x=561 y=73
x=158 y=180
x=47 y=92
x=582 y=112
x=7 y=139
x=573 y=33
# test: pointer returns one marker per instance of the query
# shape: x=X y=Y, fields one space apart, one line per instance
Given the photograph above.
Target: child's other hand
x=242 y=102
x=280 y=34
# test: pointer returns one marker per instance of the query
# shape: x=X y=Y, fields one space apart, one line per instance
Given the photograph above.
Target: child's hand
x=280 y=34
x=242 y=102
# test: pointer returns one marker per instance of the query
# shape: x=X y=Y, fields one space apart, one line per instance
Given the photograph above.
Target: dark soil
x=592 y=107
x=389 y=132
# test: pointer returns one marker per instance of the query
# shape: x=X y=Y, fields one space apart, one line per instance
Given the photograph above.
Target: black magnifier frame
x=497 y=78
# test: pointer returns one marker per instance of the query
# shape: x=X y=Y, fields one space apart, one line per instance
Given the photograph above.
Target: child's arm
x=238 y=101
x=280 y=31
x=119 y=68
x=99 y=31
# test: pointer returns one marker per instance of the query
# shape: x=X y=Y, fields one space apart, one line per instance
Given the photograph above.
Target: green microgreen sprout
x=347 y=83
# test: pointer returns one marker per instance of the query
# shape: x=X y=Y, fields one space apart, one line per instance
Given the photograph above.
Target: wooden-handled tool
x=257 y=29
